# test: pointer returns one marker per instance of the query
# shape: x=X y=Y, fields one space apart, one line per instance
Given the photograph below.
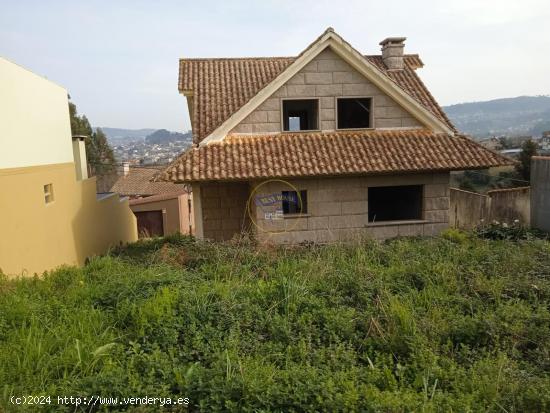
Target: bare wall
x=75 y=226
x=338 y=209
x=326 y=77
x=223 y=209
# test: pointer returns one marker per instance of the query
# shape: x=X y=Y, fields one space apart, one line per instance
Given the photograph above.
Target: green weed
x=455 y=323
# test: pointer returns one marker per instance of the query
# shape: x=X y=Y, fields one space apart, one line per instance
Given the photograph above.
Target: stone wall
x=338 y=209
x=327 y=76
x=224 y=210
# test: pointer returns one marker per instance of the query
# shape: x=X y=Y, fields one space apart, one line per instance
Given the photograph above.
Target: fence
x=469 y=209
x=540 y=196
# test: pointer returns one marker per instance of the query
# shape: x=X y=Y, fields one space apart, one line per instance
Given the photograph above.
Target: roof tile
x=241 y=157
x=220 y=87
x=138 y=183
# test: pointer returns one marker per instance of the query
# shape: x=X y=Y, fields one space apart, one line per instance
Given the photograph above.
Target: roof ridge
x=188 y=59
x=205 y=59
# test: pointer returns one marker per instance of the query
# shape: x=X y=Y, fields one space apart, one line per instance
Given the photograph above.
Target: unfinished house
x=325 y=146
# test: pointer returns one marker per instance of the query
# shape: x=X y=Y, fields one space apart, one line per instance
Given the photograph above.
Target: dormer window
x=354 y=113
x=300 y=115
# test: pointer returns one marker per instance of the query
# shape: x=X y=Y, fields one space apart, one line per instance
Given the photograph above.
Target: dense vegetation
x=456 y=323
x=165 y=136
x=99 y=154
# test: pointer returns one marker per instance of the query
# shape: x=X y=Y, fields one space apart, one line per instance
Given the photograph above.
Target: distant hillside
x=165 y=136
x=523 y=115
x=118 y=136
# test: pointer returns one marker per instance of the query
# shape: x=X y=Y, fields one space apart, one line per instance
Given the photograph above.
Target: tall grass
x=408 y=325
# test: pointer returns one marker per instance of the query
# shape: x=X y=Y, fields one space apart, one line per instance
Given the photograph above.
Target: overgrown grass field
x=424 y=325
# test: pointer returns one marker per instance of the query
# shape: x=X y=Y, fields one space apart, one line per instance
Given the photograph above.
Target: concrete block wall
x=326 y=77
x=540 y=192
x=470 y=209
x=224 y=210
x=508 y=205
x=338 y=210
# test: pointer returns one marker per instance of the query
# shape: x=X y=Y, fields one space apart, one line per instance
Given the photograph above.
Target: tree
x=79 y=124
x=528 y=150
x=100 y=156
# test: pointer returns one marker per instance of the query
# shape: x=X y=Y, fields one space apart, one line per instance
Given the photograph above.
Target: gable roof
x=138 y=182
x=220 y=88
x=330 y=154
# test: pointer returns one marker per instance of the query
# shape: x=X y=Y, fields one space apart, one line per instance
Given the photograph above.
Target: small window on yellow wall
x=48 y=193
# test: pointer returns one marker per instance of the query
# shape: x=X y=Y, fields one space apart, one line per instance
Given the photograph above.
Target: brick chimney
x=125 y=168
x=392 y=52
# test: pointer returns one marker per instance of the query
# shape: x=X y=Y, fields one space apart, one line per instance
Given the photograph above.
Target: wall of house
x=37 y=236
x=36 y=149
x=338 y=209
x=327 y=76
x=175 y=213
x=34 y=119
x=223 y=208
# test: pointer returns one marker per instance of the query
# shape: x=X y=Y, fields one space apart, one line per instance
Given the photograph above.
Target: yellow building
x=50 y=213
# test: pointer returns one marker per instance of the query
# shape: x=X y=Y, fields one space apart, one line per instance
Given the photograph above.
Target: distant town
x=147 y=146
x=512 y=145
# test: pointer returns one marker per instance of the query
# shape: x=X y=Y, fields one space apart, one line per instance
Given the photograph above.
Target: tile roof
x=241 y=157
x=155 y=198
x=138 y=183
x=220 y=87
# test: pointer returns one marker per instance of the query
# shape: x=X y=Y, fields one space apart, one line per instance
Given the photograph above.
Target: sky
x=119 y=59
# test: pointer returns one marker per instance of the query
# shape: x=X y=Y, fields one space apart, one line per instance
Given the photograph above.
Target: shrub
x=504 y=231
x=455 y=235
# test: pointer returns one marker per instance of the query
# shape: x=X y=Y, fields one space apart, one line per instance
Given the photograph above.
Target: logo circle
x=268 y=202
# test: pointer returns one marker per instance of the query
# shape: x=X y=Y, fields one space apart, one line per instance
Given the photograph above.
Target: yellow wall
x=36 y=236
x=36 y=149
x=34 y=119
